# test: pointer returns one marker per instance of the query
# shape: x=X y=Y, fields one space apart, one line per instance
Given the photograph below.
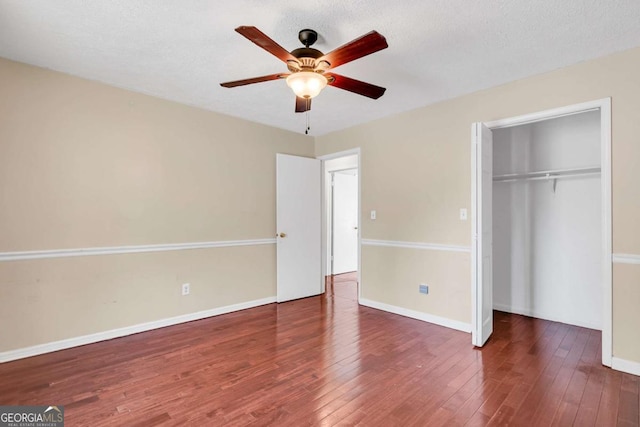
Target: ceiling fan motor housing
x=306 y=52
x=307 y=55
x=306 y=59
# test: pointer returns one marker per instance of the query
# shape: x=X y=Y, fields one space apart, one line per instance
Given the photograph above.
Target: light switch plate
x=463 y=214
x=373 y=214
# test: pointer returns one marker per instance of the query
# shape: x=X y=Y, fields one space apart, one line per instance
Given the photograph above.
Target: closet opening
x=542 y=220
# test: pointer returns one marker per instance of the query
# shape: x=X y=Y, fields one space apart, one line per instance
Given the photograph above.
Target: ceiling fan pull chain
x=306 y=131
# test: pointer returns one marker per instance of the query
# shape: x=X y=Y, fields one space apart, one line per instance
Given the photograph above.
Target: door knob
x=355 y=228
x=283 y=235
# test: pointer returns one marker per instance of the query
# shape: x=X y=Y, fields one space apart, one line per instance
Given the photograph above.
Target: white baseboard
x=538 y=315
x=425 y=317
x=625 y=366
x=35 y=350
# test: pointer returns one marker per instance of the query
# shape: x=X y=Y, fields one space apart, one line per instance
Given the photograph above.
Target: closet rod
x=549 y=174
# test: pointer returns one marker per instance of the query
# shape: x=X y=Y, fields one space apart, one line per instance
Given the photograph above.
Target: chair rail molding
x=416 y=245
x=113 y=250
x=626 y=258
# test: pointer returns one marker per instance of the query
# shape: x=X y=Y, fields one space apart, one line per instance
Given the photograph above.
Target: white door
x=298 y=226
x=481 y=256
x=345 y=221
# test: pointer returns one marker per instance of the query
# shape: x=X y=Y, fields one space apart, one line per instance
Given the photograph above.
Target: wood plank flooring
x=326 y=361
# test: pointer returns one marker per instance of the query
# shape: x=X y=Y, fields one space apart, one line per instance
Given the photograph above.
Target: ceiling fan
x=309 y=67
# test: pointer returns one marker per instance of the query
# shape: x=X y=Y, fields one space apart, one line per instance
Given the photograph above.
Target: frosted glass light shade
x=306 y=84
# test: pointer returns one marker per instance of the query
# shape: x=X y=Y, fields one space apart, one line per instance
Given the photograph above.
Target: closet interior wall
x=547 y=238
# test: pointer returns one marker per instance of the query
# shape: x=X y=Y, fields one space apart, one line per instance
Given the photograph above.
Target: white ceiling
x=438 y=49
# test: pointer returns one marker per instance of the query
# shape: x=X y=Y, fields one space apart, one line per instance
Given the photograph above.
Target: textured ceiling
x=438 y=49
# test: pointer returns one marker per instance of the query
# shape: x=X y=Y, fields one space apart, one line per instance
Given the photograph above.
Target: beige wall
x=416 y=175
x=626 y=311
x=87 y=165
x=53 y=299
x=401 y=270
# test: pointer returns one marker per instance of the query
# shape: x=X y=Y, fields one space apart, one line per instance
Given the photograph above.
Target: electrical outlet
x=424 y=289
x=186 y=288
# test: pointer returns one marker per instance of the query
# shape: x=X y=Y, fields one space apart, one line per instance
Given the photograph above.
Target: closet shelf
x=548 y=174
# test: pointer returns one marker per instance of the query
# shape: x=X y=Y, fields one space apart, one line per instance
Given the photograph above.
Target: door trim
x=324 y=158
x=604 y=106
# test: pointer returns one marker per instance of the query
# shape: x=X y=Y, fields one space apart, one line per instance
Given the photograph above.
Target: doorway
x=538 y=210
x=343 y=256
x=341 y=228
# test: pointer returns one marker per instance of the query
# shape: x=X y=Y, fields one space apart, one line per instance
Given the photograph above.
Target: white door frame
x=325 y=231
x=604 y=106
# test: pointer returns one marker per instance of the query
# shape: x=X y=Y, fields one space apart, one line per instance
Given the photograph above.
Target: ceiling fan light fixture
x=306 y=84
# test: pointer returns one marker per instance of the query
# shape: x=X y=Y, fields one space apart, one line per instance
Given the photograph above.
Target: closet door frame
x=604 y=106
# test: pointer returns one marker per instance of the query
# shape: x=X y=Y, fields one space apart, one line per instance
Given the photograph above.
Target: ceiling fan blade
x=253 y=80
x=355 y=86
x=302 y=104
x=362 y=46
x=265 y=42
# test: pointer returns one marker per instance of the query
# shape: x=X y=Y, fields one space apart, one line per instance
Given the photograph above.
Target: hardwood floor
x=326 y=361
